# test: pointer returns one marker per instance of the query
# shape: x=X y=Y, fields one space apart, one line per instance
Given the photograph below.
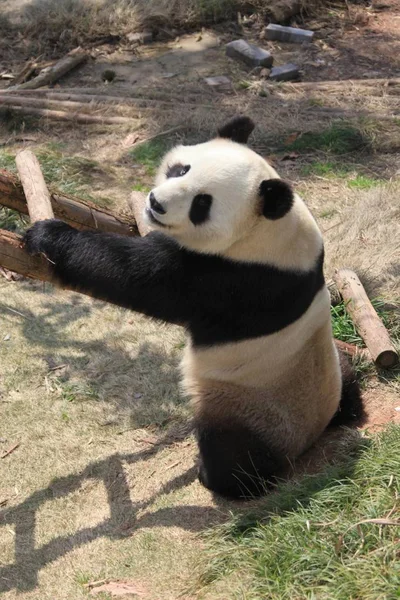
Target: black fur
x=277 y=197
x=237 y=129
x=217 y=299
x=177 y=170
x=200 y=210
x=235 y=462
x=351 y=409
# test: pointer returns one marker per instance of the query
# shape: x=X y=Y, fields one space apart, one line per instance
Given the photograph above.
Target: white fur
x=286 y=385
x=232 y=173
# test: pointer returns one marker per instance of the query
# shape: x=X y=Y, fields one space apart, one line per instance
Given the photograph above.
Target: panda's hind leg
x=234 y=461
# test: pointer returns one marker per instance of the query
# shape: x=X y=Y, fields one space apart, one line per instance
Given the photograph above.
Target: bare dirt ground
x=103 y=482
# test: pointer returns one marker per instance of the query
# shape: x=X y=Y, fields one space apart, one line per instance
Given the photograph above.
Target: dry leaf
x=290 y=156
x=130 y=139
x=120 y=587
x=292 y=138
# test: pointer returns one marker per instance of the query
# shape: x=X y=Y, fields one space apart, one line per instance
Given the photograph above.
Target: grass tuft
x=340 y=138
x=150 y=154
x=315 y=539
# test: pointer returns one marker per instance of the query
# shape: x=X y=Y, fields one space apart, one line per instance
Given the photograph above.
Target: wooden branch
x=35 y=188
x=52 y=74
x=14 y=258
x=58 y=115
x=74 y=211
x=352 y=350
x=365 y=318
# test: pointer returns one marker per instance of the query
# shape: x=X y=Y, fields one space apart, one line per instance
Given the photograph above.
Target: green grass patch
x=362 y=182
x=340 y=138
x=343 y=327
x=325 y=169
x=12 y=220
x=316 y=539
x=150 y=154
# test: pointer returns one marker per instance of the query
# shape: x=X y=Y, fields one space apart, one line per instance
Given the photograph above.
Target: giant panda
x=236 y=258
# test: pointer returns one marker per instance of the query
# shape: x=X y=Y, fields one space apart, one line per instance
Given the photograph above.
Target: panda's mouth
x=152 y=218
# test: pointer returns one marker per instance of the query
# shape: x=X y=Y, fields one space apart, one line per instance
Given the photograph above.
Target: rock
x=288 y=34
x=143 y=37
x=249 y=54
x=285 y=72
x=219 y=83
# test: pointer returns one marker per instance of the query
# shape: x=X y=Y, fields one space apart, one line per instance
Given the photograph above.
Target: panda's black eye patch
x=200 y=209
x=177 y=170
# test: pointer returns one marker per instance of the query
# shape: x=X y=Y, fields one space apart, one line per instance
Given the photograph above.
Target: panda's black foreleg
x=235 y=462
x=144 y=274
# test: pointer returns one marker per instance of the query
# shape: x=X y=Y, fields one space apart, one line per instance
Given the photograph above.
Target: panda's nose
x=156 y=206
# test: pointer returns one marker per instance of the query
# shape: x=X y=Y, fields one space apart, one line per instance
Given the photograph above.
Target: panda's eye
x=177 y=170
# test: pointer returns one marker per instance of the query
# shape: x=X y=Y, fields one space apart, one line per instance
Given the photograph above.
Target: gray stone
x=143 y=37
x=284 y=72
x=219 y=83
x=288 y=34
x=249 y=54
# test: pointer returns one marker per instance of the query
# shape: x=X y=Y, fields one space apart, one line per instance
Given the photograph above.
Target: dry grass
x=66 y=23
x=89 y=493
x=367 y=239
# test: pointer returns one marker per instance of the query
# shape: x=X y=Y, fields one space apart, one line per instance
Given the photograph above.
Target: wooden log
x=83 y=95
x=13 y=257
x=35 y=188
x=57 y=104
x=55 y=72
x=365 y=318
x=58 y=115
x=74 y=211
x=352 y=350
x=136 y=203
x=342 y=84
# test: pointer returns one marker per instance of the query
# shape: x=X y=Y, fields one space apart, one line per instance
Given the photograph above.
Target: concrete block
x=288 y=34
x=284 y=72
x=249 y=54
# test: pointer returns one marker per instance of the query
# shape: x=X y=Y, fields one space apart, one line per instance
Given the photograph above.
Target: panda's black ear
x=277 y=198
x=238 y=130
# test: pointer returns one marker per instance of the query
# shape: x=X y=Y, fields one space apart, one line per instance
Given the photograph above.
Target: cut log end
x=387 y=359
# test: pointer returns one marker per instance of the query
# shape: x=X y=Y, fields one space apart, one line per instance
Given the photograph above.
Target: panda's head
x=210 y=195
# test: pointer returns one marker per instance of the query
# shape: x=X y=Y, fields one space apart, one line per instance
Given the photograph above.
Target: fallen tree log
x=72 y=106
x=58 y=115
x=352 y=350
x=92 y=95
x=55 y=72
x=365 y=319
x=76 y=212
x=14 y=258
x=34 y=186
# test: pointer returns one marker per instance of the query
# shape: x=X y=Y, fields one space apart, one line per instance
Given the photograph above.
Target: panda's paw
x=46 y=237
